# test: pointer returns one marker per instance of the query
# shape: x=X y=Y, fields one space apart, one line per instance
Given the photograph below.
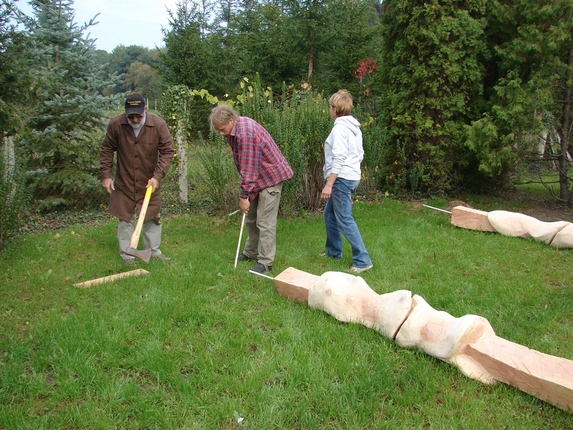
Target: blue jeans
x=338 y=221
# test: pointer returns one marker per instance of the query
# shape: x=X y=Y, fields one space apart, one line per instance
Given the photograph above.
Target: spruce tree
x=68 y=85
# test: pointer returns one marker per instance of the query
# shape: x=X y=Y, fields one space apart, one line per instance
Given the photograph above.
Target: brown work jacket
x=139 y=159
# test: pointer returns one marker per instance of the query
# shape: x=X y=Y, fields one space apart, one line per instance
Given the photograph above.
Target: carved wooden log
x=468 y=342
x=349 y=299
x=558 y=234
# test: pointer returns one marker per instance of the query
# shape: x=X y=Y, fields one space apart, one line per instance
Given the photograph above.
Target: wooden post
x=543 y=376
x=182 y=162
x=294 y=284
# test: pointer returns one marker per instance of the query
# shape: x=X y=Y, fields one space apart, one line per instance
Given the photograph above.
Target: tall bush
x=218 y=173
x=374 y=137
x=431 y=73
x=299 y=123
x=298 y=119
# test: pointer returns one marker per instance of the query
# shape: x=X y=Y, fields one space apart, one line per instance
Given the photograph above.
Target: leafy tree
x=309 y=20
x=266 y=46
x=352 y=32
x=68 y=83
x=185 y=111
x=287 y=41
x=122 y=57
x=142 y=78
x=14 y=76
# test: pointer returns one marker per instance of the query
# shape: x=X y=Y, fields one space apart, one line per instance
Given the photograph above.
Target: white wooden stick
x=437 y=209
x=260 y=274
x=240 y=237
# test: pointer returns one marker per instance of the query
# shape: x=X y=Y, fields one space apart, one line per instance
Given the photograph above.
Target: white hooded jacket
x=343 y=150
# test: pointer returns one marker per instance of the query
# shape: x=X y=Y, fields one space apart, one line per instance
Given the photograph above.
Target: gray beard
x=138 y=126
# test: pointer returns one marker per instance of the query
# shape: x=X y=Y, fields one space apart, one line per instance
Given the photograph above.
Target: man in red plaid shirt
x=263 y=169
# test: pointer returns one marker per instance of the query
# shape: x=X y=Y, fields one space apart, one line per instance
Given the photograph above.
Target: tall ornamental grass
x=299 y=122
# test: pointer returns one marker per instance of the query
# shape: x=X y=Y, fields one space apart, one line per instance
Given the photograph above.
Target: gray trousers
x=151 y=233
x=261 y=224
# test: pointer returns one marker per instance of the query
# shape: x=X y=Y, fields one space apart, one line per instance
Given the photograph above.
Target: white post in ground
x=240 y=237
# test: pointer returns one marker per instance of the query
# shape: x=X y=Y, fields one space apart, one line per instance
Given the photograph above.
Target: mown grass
x=198 y=345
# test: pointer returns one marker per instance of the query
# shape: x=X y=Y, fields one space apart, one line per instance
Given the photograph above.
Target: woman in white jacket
x=343 y=154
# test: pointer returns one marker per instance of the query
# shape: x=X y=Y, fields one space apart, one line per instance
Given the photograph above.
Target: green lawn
x=196 y=344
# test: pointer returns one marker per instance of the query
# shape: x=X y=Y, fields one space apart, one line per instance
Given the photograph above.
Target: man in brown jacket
x=144 y=150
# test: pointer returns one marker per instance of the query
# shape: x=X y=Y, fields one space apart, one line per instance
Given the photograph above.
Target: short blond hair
x=221 y=115
x=342 y=102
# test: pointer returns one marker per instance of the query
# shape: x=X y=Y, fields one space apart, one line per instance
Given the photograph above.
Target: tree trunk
x=182 y=165
x=9 y=159
x=310 y=62
x=562 y=160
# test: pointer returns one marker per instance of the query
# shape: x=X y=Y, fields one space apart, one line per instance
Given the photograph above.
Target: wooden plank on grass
x=111 y=278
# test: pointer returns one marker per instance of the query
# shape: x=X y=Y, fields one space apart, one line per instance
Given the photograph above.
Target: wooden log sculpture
x=468 y=342
x=558 y=234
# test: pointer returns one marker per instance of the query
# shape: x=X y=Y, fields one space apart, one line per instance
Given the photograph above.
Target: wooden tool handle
x=137 y=231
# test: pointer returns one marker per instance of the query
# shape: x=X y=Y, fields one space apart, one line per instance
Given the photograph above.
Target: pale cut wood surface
x=294 y=284
x=521 y=225
x=491 y=358
x=348 y=298
x=111 y=278
x=558 y=234
x=544 y=376
x=472 y=219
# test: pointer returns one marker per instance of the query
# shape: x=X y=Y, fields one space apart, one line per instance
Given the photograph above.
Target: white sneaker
x=355 y=269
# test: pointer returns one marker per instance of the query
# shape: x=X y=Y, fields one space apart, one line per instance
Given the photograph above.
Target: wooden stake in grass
x=468 y=342
x=111 y=278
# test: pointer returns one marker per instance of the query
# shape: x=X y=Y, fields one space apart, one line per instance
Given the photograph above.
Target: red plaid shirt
x=259 y=160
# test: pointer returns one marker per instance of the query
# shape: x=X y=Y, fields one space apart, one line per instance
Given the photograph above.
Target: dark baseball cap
x=134 y=103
